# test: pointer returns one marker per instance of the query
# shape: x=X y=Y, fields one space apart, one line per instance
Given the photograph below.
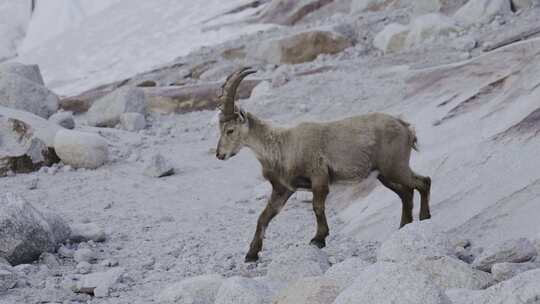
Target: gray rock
x=106 y=111
x=84 y=267
x=415 y=240
x=63 y=119
x=298 y=262
x=481 y=11
x=390 y=283
x=28 y=71
x=463 y=296
x=50 y=260
x=81 y=149
x=132 y=121
x=512 y=251
x=523 y=4
x=299 y=48
x=505 y=271
x=392 y=38
x=239 y=290
x=26 y=141
x=84 y=255
x=158 y=166
x=8 y=278
x=19 y=93
x=345 y=273
x=311 y=290
x=423 y=7
x=99 y=284
x=196 y=290
x=451 y=273
x=84 y=232
x=25 y=232
x=430 y=27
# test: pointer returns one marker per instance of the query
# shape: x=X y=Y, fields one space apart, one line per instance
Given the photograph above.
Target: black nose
x=220 y=156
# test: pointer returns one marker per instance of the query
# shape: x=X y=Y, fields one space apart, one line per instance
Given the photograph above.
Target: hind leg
x=424 y=187
x=406 y=194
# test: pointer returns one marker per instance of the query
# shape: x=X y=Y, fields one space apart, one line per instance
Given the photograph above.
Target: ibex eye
x=229 y=132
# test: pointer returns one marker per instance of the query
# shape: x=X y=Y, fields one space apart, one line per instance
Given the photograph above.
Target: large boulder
x=106 y=111
x=512 y=251
x=25 y=232
x=239 y=290
x=310 y=290
x=26 y=141
x=388 y=283
x=299 y=48
x=28 y=71
x=392 y=38
x=523 y=288
x=18 y=92
x=345 y=273
x=450 y=273
x=505 y=271
x=298 y=262
x=289 y=12
x=481 y=11
x=81 y=149
x=429 y=27
x=99 y=284
x=422 y=239
x=197 y=290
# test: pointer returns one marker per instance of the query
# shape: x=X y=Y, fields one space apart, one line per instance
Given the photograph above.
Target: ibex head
x=233 y=124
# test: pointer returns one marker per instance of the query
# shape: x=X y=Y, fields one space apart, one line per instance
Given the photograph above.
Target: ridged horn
x=228 y=90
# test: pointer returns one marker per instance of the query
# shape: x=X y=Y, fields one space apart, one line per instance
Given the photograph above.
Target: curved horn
x=228 y=93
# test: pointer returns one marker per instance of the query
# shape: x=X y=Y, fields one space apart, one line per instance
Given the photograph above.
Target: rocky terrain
x=111 y=191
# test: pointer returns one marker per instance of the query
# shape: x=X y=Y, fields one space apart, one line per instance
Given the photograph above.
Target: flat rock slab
x=512 y=251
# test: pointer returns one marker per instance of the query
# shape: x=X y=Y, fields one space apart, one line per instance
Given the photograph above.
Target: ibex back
x=314 y=155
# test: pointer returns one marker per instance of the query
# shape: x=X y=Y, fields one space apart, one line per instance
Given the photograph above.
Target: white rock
x=100 y=283
x=28 y=71
x=390 y=283
x=422 y=7
x=84 y=255
x=391 y=38
x=83 y=232
x=512 y=251
x=25 y=141
x=298 y=262
x=239 y=290
x=80 y=149
x=64 y=119
x=197 y=290
x=523 y=288
x=17 y=92
x=106 y=111
x=415 y=240
x=132 y=121
x=158 y=166
x=451 y=273
x=84 y=268
x=429 y=27
x=505 y=271
x=311 y=290
x=522 y=4
x=27 y=232
x=481 y=11
x=8 y=278
x=369 y=5
x=345 y=273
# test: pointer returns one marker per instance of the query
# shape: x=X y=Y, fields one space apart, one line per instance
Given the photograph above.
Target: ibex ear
x=241 y=116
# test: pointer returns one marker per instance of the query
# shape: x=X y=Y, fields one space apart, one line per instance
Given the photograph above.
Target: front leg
x=320 y=192
x=277 y=200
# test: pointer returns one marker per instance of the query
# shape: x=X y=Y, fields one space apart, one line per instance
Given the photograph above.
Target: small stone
x=158 y=166
x=84 y=268
x=87 y=232
x=64 y=119
x=8 y=278
x=99 y=284
x=109 y=263
x=50 y=260
x=66 y=252
x=84 y=255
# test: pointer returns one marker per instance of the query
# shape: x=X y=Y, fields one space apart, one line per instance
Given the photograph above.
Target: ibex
x=314 y=155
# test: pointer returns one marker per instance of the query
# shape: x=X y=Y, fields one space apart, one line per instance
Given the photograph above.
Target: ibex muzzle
x=314 y=155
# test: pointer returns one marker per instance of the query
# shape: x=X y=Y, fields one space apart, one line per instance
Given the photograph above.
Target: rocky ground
x=114 y=195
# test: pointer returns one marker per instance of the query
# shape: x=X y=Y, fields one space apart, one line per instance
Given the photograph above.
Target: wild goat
x=314 y=155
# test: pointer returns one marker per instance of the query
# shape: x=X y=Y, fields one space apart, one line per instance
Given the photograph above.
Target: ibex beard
x=313 y=156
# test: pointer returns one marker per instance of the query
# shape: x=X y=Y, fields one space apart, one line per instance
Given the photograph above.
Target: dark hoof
x=425 y=217
x=251 y=258
x=318 y=243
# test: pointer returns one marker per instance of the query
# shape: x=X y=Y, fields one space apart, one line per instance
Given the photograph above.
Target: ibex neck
x=265 y=141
